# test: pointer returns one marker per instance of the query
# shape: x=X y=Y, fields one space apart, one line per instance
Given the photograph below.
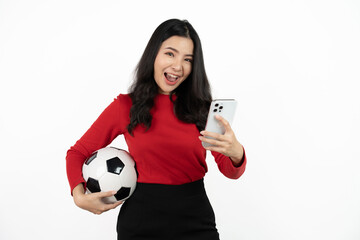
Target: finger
x=106 y=194
x=224 y=122
x=212 y=135
x=114 y=205
x=211 y=141
x=216 y=149
x=104 y=207
x=110 y=206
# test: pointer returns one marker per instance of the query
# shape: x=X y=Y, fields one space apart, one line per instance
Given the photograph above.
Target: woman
x=161 y=119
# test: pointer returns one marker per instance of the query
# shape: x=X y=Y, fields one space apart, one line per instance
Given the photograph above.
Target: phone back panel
x=223 y=107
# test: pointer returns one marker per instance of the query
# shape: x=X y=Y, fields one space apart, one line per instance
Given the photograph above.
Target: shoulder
x=123 y=104
x=124 y=99
x=121 y=107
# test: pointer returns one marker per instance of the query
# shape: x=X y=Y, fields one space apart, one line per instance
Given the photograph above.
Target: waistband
x=187 y=189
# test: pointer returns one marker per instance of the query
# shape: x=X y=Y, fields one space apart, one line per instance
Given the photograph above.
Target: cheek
x=187 y=70
x=157 y=69
x=159 y=65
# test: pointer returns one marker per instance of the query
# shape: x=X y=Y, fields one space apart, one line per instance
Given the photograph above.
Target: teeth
x=171 y=75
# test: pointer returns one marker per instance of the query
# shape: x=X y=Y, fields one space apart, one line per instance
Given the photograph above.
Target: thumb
x=224 y=122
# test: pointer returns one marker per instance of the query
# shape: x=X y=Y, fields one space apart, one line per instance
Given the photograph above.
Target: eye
x=170 y=54
x=189 y=60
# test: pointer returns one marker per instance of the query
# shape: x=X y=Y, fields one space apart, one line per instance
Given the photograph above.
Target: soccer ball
x=110 y=169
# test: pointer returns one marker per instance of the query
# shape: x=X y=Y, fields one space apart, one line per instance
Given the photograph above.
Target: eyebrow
x=175 y=50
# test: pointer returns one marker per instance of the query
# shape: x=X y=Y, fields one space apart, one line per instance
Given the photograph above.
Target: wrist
x=78 y=193
x=238 y=159
x=236 y=162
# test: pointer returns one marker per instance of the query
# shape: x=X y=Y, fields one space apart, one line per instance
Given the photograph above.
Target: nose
x=177 y=65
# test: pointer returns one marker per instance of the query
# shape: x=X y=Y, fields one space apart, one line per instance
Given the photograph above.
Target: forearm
x=77 y=193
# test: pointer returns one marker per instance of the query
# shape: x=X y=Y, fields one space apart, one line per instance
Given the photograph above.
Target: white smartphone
x=223 y=107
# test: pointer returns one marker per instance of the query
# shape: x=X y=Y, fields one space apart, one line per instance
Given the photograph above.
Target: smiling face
x=173 y=63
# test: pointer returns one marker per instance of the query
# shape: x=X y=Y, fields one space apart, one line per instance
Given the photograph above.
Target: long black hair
x=193 y=95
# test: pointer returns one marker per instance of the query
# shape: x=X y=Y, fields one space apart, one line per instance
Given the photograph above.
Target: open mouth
x=171 y=79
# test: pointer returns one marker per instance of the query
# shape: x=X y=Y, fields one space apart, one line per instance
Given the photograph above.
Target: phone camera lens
x=221 y=107
x=216 y=105
x=215 y=110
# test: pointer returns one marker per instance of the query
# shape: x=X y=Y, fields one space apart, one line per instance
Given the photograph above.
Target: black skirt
x=171 y=212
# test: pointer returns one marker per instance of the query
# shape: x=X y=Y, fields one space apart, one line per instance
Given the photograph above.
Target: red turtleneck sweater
x=170 y=152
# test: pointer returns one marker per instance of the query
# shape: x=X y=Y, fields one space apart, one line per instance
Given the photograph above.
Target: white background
x=293 y=66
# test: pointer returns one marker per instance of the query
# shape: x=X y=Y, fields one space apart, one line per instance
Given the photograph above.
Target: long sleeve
x=227 y=168
x=101 y=133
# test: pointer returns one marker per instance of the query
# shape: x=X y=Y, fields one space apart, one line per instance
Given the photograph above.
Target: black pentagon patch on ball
x=93 y=185
x=92 y=157
x=115 y=165
x=122 y=193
